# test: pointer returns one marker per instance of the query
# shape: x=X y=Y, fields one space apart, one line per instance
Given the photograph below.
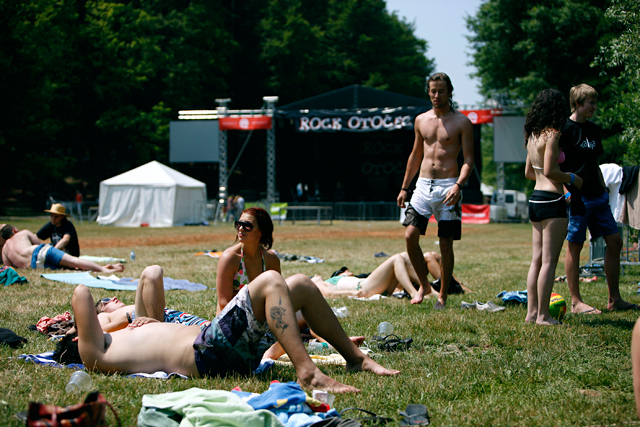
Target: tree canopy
x=89 y=87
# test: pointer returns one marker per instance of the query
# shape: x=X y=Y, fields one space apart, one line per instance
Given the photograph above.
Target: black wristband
x=405 y=189
x=458 y=184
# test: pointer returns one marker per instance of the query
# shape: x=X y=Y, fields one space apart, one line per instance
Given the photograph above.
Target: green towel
x=8 y=276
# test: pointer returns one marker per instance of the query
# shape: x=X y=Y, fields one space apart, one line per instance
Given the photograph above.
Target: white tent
x=152 y=194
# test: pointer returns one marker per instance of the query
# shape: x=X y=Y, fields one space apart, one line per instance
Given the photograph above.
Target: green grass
x=468 y=367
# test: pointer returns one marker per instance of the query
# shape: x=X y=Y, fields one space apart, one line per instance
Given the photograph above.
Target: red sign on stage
x=479 y=117
x=473 y=214
x=244 y=123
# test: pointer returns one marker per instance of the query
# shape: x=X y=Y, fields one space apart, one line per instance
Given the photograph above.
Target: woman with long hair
x=547 y=205
x=251 y=256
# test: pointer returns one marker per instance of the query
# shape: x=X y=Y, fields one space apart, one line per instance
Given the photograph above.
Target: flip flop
x=415 y=415
x=371 y=420
x=590 y=311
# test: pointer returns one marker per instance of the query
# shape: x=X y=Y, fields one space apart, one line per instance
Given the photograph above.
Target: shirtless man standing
x=23 y=249
x=231 y=343
x=440 y=135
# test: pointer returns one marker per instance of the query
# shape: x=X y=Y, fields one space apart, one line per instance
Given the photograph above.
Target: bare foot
x=357 y=340
x=621 y=305
x=422 y=296
x=319 y=381
x=547 y=321
x=582 y=308
x=440 y=304
x=112 y=268
x=367 y=364
x=531 y=318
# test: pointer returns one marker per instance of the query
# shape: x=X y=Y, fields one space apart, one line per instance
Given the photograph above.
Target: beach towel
x=103 y=259
x=118 y=284
x=47 y=359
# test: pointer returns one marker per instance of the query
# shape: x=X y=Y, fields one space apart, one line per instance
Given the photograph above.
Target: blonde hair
x=578 y=95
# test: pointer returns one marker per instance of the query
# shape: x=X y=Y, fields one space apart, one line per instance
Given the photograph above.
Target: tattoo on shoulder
x=276 y=313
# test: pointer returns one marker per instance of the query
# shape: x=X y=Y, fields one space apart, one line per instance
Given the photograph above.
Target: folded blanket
x=169 y=284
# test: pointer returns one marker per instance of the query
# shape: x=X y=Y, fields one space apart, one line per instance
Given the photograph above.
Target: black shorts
x=546 y=205
x=445 y=228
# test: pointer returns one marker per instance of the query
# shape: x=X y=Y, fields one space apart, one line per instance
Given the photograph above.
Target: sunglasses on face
x=246 y=225
x=105 y=300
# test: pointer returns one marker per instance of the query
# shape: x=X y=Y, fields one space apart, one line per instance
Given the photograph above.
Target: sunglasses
x=246 y=225
x=105 y=300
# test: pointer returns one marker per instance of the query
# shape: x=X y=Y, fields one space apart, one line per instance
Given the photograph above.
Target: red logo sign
x=244 y=123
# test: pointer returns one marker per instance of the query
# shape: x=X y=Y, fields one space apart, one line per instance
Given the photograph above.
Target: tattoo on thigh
x=277 y=313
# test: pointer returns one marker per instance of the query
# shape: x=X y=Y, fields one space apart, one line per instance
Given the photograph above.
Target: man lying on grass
x=231 y=343
x=149 y=307
x=23 y=249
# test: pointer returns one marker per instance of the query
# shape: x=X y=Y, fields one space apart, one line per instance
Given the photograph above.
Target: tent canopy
x=152 y=194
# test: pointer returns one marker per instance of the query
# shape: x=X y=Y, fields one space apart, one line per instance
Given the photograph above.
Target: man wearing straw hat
x=60 y=230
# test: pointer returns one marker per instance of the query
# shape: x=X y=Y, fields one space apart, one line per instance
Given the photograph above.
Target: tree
x=524 y=46
x=620 y=58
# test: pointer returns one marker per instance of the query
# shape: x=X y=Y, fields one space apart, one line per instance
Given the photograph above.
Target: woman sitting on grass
x=547 y=205
x=248 y=258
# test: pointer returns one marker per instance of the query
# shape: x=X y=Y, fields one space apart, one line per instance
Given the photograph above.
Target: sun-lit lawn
x=468 y=367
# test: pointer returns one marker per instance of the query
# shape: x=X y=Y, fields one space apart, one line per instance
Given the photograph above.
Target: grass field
x=468 y=367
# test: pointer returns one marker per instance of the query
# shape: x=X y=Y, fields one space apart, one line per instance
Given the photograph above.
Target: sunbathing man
x=395 y=274
x=231 y=343
x=23 y=249
x=149 y=307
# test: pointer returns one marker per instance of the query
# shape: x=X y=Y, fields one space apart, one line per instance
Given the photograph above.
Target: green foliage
x=89 y=87
x=524 y=46
x=622 y=55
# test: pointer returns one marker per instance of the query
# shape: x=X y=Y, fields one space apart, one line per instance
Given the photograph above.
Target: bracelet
x=458 y=184
x=567 y=195
x=404 y=189
x=572 y=179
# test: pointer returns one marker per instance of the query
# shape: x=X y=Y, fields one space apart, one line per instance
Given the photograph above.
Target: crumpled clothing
x=301 y=258
x=8 y=276
x=513 y=296
x=45 y=322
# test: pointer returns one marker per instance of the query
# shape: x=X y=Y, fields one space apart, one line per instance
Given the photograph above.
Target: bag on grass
x=90 y=413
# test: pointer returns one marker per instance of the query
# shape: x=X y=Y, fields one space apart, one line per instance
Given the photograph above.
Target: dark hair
x=66 y=351
x=548 y=111
x=442 y=77
x=264 y=224
x=6 y=231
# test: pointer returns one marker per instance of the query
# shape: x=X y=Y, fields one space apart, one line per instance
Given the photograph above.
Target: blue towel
x=47 y=359
x=124 y=284
x=169 y=284
x=87 y=279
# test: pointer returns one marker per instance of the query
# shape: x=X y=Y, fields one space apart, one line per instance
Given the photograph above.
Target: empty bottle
x=132 y=256
x=384 y=329
x=317 y=346
x=80 y=382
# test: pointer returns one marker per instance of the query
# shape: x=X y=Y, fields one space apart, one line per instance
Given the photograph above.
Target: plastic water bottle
x=317 y=346
x=80 y=382
x=132 y=256
x=384 y=329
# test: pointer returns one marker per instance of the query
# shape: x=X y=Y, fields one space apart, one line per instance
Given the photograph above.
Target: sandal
x=392 y=342
x=415 y=415
x=371 y=420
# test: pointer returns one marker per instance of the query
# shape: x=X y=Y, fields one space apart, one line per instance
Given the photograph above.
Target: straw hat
x=58 y=209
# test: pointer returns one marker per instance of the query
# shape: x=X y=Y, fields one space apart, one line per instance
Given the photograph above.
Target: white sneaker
x=469 y=305
x=490 y=306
